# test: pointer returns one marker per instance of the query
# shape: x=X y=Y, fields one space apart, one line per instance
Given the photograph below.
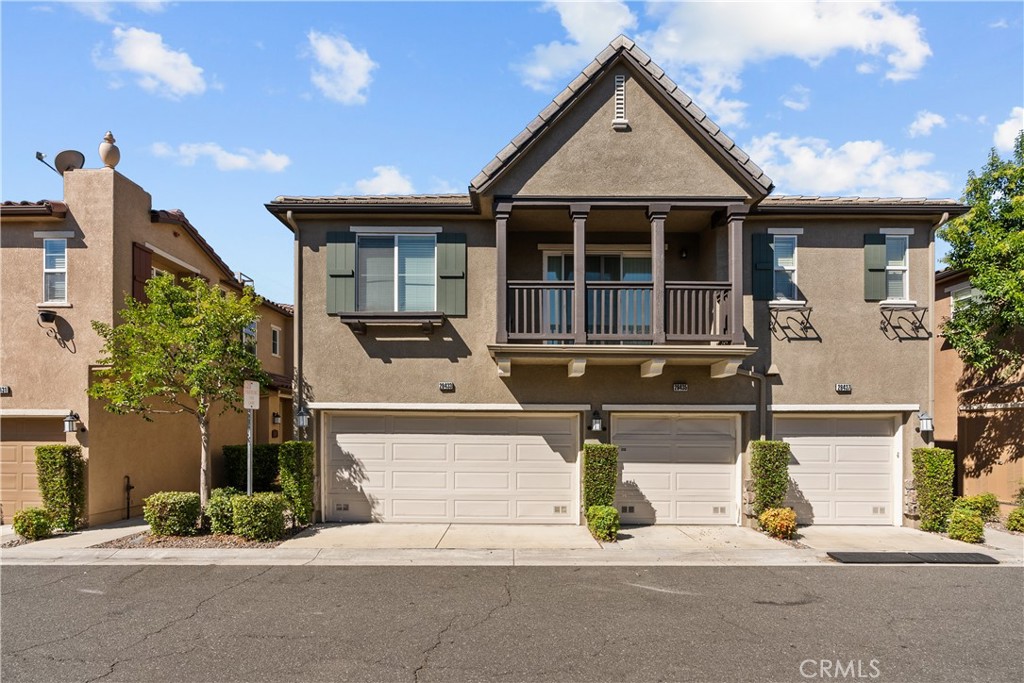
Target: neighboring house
x=620 y=261
x=979 y=416
x=67 y=263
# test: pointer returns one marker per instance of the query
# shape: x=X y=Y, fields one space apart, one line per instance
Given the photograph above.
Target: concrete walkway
x=507 y=545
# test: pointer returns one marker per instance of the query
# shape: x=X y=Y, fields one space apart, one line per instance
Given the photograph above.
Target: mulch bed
x=148 y=541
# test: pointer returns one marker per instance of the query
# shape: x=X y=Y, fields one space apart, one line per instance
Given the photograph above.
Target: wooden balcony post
x=501 y=215
x=735 y=217
x=579 y=264
x=657 y=213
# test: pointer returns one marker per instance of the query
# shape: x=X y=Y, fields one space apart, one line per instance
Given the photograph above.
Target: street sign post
x=251 y=402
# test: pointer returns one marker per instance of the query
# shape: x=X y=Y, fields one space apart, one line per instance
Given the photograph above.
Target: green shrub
x=933 y=481
x=985 y=504
x=966 y=525
x=172 y=513
x=600 y=472
x=769 y=465
x=221 y=511
x=33 y=523
x=1018 y=499
x=603 y=522
x=259 y=517
x=264 y=466
x=779 y=522
x=1015 y=522
x=60 y=471
x=295 y=460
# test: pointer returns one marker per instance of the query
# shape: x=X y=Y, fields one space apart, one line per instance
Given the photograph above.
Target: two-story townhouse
x=617 y=273
x=67 y=263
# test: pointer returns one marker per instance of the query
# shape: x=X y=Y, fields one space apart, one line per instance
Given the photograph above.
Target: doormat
x=911 y=558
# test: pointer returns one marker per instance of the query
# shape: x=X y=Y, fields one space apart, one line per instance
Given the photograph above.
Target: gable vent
x=620 y=122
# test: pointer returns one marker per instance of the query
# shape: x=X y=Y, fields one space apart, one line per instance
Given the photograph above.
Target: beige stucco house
x=66 y=263
x=619 y=272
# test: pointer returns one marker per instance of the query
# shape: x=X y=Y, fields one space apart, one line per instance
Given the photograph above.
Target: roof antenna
x=42 y=157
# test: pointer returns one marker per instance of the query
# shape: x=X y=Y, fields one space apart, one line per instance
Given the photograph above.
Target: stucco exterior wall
x=948 y=371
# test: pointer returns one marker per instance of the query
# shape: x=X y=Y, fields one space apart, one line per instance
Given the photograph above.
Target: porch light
x=596 y=424
x=71 y=422
x=925 y=422
x=302 y=417
x=275 y=418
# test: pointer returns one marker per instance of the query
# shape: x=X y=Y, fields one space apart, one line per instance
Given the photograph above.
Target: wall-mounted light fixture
x=596 y=424
x=925 y=424
x=71 y=423
x=682 y=253
x=275 y=418
x=302 y=418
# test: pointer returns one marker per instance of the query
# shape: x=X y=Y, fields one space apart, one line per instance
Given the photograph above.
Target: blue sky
x=219 y=107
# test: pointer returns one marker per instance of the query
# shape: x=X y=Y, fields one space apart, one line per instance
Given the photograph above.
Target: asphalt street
x=183 y=624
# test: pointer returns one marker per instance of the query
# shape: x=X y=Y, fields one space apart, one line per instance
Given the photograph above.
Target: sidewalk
x=502 y=545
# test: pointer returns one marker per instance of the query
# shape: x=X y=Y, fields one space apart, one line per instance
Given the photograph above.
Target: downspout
x=931 y=316
x=762 y=404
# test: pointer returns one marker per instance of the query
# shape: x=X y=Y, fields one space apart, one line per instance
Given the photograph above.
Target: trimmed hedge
x=603 y=522
x=264 y=466
x=33 y=523
x=60 y=471
x=295 y=460
x=259 y=517
x=778 y=522
x=933 y=481
x=221 y=511
x=985 y=504
x=172 y=513
x=1015 y=522
x=769 y=465
x=600 y=472
x=966 y=525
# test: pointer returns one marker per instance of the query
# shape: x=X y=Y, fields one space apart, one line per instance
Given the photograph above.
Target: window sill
x=898 y=304
x=55 y=304
x=358 y=321
x=784 y=304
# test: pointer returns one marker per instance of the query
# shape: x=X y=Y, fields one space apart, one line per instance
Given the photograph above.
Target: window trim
x=905 y=268
x=794 y=270
x=63 y=270
x=394 y=245
x=275 y=341
x=972 y=293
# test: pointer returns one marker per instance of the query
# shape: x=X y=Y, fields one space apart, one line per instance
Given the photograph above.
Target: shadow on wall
x=792 y=325
x=639 y=509
x=58 y=329
x=991 y=439
x=904 y=325
x=796 y=499
x=388 y=343
x=348 y=478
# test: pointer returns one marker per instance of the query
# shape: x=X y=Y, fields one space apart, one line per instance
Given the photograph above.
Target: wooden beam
x=652 y=367
x=577 y=366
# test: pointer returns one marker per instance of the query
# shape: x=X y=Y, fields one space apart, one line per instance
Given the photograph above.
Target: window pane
x=55 y=252
x=785 y=252
x=896 y=251
x=554 y=268
x=894 y=285
x=785 y=288
x=55 y=288
x=376 y=274
x=636 y=269
x=416 y=273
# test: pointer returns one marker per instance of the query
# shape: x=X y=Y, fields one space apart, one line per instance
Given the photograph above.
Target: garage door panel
x=543 y=481
x=9 y=454
x=423 y=452
x=696 y=428
x=544 y=510
x=644 y=428
x=712 y=454
x=876 y=483
x=647 y=480
x=353 y=450
x=483 y=481
x=358 y=424
x=701 y=483
x=809 y=482
x=482 y=510
x=418 y=508
x=419 y=480
x=863 y=511
x=706 y=512
x=864 y=426
x=862 y=454
x=810 y=453
x=540 y=452
x=546 y=426
x=482 y=452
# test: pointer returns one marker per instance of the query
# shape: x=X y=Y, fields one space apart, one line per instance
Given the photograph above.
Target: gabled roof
x=813 y=204
x=622 y=46
x=44 y=207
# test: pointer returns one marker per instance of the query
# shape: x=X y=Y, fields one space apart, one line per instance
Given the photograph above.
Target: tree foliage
x=182 y=352
x=988 y=241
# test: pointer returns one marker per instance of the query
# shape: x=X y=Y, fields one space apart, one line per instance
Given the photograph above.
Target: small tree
x=182 y=352
x=988 y=241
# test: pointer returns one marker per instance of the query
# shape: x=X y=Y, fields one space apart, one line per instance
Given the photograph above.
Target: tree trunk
x=204 y=460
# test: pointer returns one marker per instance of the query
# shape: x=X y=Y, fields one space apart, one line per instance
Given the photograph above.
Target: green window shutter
x=874 y=267
x=451 y=273
x=341 y=272
x=763 y=266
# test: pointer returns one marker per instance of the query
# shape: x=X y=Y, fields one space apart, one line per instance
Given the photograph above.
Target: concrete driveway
x=880 y=539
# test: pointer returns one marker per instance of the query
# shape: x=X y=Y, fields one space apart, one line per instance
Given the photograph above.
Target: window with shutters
x=55 y=271
x=896 y=269
x=784 y=267
x=396 y=273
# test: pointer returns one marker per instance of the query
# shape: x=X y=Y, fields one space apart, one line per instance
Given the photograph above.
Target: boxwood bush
x=264 y=466
x=259 y=517
x=933 y=481
x=769 y=466
x=172 y=513
x=966 y=525
x=778 y=522
x=295 y=460
x=985 y=504
x=603 y=522
x=1015 y=522
x=33 y=523
x=600 y=472
x=60 y=471
x=220 y=510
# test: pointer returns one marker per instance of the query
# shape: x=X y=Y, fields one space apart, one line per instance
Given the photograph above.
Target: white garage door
x=676 y=469
x=426 y=467
x=842 y=468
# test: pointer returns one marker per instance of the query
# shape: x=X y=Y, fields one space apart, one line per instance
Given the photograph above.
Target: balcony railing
x=542 y=311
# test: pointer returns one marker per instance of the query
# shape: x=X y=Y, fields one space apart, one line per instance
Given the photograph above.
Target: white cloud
x=860 y=167
x=442 y=186
x=97 y=11
x=1006 y=132
x=866 y=68
x=589 y=27
x=386 y=180
x=151 y=6
x=343 y=72
x=925 y=122
x=798 y=99
x=160 y=69
x=243 y=160
x=1002 y=23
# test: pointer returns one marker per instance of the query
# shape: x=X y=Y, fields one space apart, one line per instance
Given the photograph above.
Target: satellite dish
x=69 y=160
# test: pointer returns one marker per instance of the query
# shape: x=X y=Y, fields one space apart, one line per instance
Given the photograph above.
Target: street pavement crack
x=41 y=585
x=426 y=653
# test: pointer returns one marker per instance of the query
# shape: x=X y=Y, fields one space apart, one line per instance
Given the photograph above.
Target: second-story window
x=396 y=273
x=784 y=258
x=959 y=297
x=275 y=341
x=896 y=268
x=55 y=271
x=249 y=336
